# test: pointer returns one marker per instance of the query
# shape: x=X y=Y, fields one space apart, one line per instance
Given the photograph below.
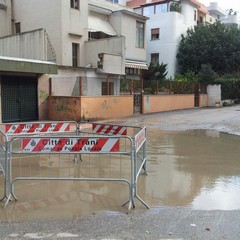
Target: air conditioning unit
x=100 y=65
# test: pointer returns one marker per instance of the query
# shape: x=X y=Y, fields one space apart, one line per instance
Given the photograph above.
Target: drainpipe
x=108 y=88
x=12 y=17
x=80 y=86
x=50 y=86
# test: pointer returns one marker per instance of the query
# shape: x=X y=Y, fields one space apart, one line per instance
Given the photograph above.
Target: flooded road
x=197 y=168
x=200 y=169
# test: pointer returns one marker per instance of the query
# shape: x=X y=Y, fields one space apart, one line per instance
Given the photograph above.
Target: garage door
x=19 y=99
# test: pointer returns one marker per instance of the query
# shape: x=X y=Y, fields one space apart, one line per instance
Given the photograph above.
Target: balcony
x=231 y=20
x=215 y=10
x=107 y=55
x=34 y=45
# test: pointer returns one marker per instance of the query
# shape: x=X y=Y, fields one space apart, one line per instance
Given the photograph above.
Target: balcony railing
x=28 y=45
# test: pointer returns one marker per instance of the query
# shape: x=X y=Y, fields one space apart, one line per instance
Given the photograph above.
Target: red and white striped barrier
x=109 y=129
x=69 y=145
x=27 y=128
x=140 y=138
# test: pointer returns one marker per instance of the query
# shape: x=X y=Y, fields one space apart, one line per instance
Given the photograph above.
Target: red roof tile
x=136 y=3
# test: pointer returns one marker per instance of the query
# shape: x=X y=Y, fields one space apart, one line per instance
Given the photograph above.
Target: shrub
x=230 y=87
x=206 y=74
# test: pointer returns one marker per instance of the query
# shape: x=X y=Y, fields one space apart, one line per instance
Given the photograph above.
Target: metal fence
x=3 y=164
x=78 y=152
x=10 y=130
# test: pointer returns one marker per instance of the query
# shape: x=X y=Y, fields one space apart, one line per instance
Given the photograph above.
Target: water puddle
x=193 y=168
x=200 y=169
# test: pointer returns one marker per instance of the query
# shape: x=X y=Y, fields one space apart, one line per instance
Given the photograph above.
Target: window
x=195 y=15
x=155 y=58
x=114 y=1
x=133 y=71
x=148 y=10
x=140 y=35
x=161 y=8
x=105 y=90
x=18 y=27
x=74 y=4
x=75 y=49
x=154 y=33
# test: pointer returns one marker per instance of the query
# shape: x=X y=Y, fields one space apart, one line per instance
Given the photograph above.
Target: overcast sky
x=224 y=4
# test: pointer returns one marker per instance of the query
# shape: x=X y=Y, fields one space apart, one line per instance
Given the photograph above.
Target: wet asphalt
x=155 y=224
x=163 y=223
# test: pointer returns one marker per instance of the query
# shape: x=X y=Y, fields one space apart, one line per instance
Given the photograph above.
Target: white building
x=225 y=16
x=168 y=21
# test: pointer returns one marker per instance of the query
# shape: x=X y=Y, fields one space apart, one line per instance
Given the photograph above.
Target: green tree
x=206 y=74
x=216 y=45
x=187 y=77
x=154 y=75
x=176 y=7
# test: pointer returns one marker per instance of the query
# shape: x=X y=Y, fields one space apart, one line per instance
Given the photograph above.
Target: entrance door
x=137 y=103
x=19 y=99
x=199 y=88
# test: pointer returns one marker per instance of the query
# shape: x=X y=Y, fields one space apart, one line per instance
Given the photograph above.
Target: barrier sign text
x=66 y=145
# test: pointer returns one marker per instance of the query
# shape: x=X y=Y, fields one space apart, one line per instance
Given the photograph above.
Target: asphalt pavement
x=154 y=224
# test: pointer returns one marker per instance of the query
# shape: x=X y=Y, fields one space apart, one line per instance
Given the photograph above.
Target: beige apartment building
x=93 y=44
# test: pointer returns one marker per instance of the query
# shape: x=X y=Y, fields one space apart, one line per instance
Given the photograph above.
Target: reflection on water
x=200 y=169
x=223 y=195
x=196 y=168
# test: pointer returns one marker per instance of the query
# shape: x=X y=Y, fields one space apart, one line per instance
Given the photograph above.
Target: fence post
x=80 y=86
x=50 y=86
x=156 y=87
x=108 y=90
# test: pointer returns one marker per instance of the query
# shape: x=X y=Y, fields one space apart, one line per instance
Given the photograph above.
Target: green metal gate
x=19 y=99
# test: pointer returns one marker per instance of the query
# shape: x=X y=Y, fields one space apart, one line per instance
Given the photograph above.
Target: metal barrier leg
x=11 y=183
x=145 y=204
x=143 y=165
x=130 y=203
x=4 y=172
x=12 y=191
x=10 y=195
x=8 y=199
x=4 y=187
x=145 y=157
x=143 y=160
x=77 y=158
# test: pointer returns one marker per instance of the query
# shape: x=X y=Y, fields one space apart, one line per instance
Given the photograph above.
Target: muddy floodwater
x=199 y=168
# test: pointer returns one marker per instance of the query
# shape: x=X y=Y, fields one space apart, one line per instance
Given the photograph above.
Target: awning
x=96 y=24
x=135 y=64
